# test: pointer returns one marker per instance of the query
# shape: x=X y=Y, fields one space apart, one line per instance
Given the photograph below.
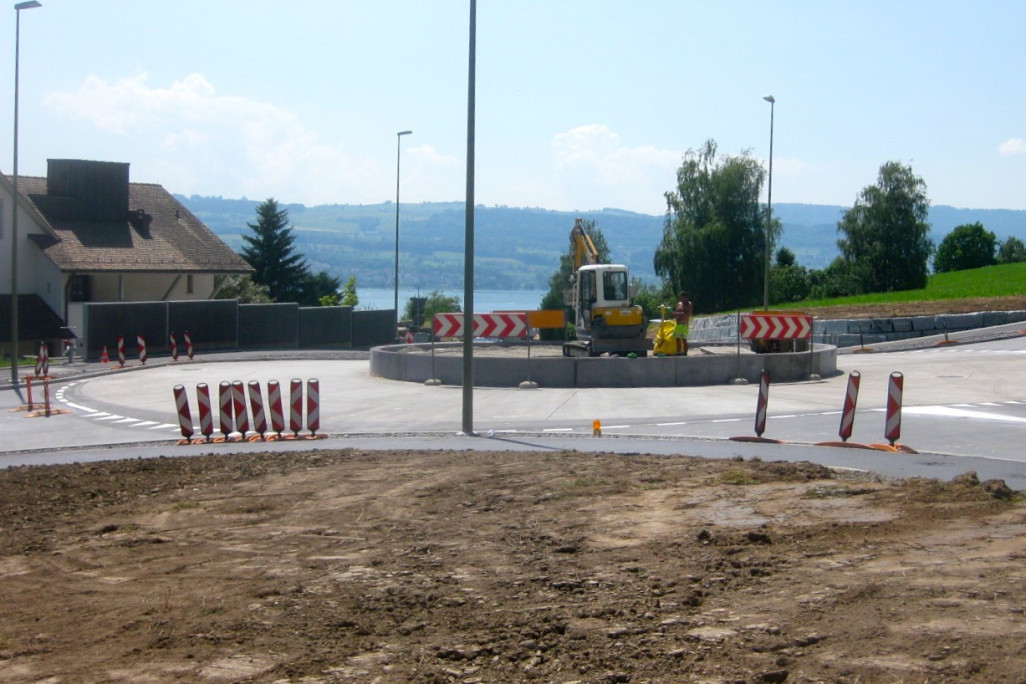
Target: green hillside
x=516 y=248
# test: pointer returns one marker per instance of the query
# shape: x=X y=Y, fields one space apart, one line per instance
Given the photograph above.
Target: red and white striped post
x=239 y=408
x=205 y=417
x=43 y=361
x=184 y=415
x=760 y=407
x=174 y=346
x=141 y=341
x=274 y=407
x=256 y=402
x=121 y=351
x=296 y=406
x=851 y=397
x=313 y=406
x=188 y=345
x=892 y=430
x=225 y=409
x=46 y=396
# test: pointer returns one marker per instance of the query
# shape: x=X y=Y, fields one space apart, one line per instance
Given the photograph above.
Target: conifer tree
x=271 y=251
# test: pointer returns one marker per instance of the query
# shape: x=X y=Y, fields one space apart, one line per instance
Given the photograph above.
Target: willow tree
x=713 y=238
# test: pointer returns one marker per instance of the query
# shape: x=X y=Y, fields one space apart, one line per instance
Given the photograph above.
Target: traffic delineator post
x=848 y=415
x=761 y=405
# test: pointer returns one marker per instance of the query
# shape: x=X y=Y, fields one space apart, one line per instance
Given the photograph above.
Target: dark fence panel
x=373 y=328
x=211 y=324
x=325 y=326
x=108 y=320
x=268 y=325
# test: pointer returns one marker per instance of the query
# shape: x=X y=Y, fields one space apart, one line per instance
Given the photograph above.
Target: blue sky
x=580 y=105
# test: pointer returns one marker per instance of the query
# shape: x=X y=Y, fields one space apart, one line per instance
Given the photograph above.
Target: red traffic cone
x=104 y=357
x=409 y=337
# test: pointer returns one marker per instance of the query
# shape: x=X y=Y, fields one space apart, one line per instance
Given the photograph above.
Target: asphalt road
x=964 y=408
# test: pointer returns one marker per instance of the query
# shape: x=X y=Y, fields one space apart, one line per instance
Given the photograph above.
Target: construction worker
x=682 y=316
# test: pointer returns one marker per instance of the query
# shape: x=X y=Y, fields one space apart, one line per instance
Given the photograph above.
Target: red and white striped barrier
x=121 y=351
x=226 y=418
x=239 y=408
x=274 y=407
x=188 y=345
x=851 y=398
x=205 y=417
x=234 y=418
x=296 y=407
x=313 y=406
x=256 y=403
x=43 y=361
x=174 y=346
x=141 y=341
x=760 y=407
x=184 y=415
x=760 y=413
x=892 y=430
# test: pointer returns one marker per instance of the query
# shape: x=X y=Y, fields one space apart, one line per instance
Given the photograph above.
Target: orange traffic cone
x=104 y=357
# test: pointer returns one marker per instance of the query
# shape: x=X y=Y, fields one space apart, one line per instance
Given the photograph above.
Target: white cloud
x=1012 y=146
x=597 y=170
x=194 y=140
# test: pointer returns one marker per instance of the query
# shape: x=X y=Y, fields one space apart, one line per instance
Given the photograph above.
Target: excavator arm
x=583 y=248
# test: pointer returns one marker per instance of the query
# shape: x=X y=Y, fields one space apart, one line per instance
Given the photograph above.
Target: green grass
x=991 y=281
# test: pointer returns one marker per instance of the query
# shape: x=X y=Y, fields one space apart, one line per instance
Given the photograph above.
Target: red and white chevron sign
x=448 y=325
x=508 y=324
x=776 y=327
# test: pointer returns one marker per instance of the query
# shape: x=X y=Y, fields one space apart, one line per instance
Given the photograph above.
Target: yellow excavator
x=600 y=296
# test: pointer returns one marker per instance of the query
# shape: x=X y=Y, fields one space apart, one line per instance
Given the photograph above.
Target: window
x=79 y=288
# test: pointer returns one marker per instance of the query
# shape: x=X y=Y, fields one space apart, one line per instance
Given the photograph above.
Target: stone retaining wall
x=858 y=331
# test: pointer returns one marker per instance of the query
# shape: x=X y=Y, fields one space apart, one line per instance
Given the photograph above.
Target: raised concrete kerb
x=416 y=363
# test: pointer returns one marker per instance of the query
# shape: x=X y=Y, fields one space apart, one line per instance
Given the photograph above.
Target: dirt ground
x=927 y=308
x=350 y=566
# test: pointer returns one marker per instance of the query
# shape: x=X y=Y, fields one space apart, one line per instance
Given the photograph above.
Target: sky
x=580 y=105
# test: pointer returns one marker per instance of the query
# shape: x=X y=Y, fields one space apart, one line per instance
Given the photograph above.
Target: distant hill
x=517 y=248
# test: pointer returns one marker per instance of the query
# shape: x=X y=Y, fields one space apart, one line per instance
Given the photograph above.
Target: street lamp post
x=769 y=212
x=31 y=4
x=398 y=140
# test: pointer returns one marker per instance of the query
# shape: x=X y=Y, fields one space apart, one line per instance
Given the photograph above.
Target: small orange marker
x=596 y=428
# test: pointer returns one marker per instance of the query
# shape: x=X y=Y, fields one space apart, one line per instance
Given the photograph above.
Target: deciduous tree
x=713 y=238
x=967 y=246
x=886 y=244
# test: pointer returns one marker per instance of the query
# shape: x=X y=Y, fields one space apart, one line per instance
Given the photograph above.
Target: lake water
x=484 y=300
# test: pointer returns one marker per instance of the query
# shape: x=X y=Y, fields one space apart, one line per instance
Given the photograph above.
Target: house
x=87 y=234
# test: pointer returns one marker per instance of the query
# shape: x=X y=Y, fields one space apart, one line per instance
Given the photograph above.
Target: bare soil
x=928 y=308
x=350 y=566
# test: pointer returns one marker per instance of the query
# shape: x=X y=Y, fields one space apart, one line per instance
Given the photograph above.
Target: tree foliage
x=886 y=244
x=967 y=246
x=1011 y=251
x=319 y=290
x=270 y=249
x=436 y=302
x=349 y=296
x=713 y=237
x=240 y=287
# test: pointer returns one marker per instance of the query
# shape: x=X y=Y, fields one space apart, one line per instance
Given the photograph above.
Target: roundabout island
x=542 y=364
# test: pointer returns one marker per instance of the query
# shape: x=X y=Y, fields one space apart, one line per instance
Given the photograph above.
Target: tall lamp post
x=769 y=212
x=31 y=4
x=398 y=140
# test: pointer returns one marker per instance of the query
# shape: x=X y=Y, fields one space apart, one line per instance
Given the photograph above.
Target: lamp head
x=769 y=98
x=31 y=4
x=404 y=132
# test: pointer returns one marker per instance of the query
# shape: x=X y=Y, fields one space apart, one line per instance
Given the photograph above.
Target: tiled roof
x=173 y=240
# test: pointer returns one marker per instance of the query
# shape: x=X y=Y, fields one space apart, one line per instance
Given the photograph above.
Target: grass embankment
x=1006 y=280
